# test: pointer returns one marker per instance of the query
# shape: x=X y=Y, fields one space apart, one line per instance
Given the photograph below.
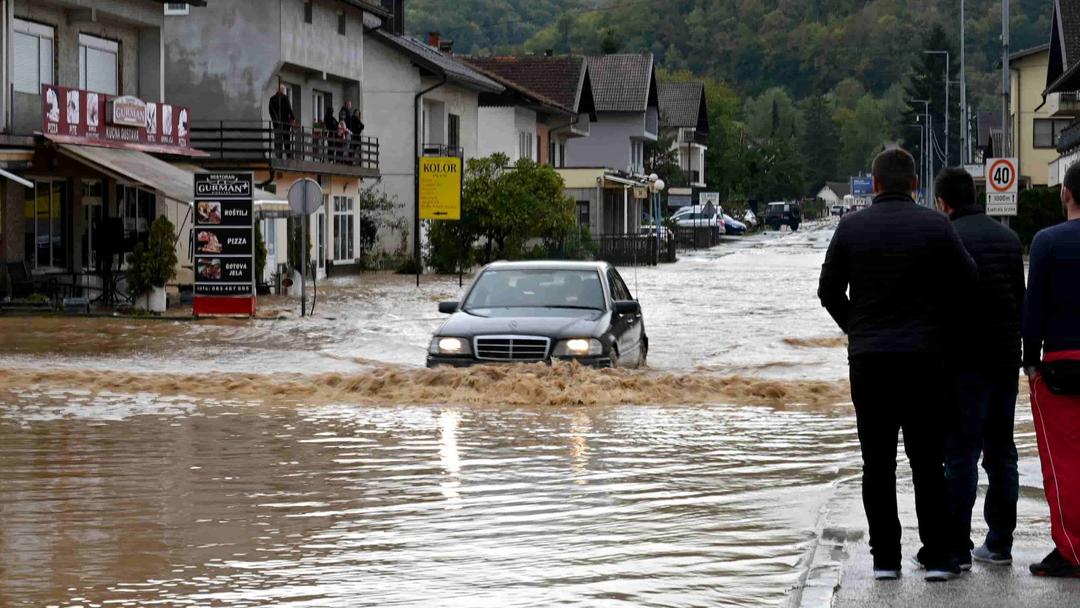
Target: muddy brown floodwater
x=313 y=462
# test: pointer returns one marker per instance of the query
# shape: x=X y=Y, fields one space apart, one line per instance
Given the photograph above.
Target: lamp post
x=946 y=53
x=927 y=153
x=656 y=186
x=922 y=162
x=965 y=145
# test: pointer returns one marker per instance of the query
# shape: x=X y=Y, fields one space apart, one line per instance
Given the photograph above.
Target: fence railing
x=697 y=238
x=266 y=140
x=443 y=150
x=634 y=249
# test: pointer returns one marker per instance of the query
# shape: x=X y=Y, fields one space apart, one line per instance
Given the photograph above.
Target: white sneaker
x=940 y=576
x=886 y=575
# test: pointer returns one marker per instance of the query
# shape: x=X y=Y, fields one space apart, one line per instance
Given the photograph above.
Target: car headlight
x=578 y=347
x=449 y=346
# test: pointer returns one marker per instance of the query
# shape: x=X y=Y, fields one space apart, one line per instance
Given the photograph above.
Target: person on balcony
x=330 y=135
x=356 y=125
x=282 y=122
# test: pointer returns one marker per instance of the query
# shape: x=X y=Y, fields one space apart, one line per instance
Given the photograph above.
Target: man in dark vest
x=904 y=266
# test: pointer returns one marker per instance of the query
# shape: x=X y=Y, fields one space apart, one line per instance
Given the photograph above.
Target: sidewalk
x=841 y=570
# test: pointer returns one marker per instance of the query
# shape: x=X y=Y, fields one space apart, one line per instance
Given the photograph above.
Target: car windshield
x=537 y=289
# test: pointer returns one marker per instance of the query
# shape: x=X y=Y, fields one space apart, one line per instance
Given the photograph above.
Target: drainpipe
x=418 y=143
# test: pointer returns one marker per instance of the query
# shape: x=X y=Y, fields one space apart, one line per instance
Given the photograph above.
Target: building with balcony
x=604 y=171
x=86 y=124
x=548 y=103
x=684 y=115
x=1035 y=125
x=430 y=100
x=229 y=59
x=1061 y=84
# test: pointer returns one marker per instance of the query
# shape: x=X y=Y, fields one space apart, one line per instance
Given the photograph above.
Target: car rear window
x=499 y=288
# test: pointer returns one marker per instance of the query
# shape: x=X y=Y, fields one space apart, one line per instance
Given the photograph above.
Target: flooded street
x=312 y=462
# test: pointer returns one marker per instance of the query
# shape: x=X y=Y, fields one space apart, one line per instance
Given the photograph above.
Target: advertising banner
x=84 y=117
x=440 y=188
x=224 y=244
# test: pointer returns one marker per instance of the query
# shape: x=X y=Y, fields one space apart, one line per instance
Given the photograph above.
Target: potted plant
x=151 y=265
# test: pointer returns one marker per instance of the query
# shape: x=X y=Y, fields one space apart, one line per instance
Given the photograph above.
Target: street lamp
x=656 y=186
x=946 y=53
x=927 y=151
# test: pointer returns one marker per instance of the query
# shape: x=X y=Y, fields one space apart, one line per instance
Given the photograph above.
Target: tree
x=504 y=210
x=927 y=82
x=819 y=144
x=772 y=115
x=863 y=136
x=662 y=158
x=611 y=43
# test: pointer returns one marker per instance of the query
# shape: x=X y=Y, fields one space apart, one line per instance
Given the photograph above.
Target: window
x=562 y=155
x=1047 y=130
x=343 y=228
x=525 y=144
x=33 y=47
x=93 y=207
x=98 y=67
x=619 y=290
x=47 y=223
x=307 y=11
x=177 y=8
x=320 y=236
x=341 y=23
x=320 y=101
x=138 y=209
x=453 y=130
x=269 y=230
x=583 y=214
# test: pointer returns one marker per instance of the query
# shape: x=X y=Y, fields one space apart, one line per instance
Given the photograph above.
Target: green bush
x=153 y=264
x=1038 y=208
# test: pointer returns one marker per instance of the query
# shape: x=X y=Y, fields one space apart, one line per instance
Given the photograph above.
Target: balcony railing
x=248 y=141
x=443 y=150
x=1069 y=138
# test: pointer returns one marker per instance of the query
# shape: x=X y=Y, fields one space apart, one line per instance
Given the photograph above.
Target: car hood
x=553 y=323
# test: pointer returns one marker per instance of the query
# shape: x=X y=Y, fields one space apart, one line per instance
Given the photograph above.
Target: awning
x=622 y=180
x=135 y=166
x=174 y=181
x=15 y=178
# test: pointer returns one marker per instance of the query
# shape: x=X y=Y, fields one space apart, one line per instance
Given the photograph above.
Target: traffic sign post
x=305 y=198
x=1002 y=180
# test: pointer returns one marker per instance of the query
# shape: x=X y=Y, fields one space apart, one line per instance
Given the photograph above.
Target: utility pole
x=946 y=53
x=965 y=147
x=1006 y=86
x=926 y=168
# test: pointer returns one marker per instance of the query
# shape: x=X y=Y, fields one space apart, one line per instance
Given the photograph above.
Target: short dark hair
x=894 y=170
x=956 y=186
x=1072 y=181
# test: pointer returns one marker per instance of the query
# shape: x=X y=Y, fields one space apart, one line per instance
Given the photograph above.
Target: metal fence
x=265 y=140
x=634 y=250
x=689 y=237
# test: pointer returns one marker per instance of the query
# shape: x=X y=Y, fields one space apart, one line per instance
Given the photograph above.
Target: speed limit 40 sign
x=1002 y=179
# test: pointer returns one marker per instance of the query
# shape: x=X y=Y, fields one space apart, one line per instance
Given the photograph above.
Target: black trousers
x=893 y=393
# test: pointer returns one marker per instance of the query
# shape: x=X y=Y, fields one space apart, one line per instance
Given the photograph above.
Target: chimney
x=446 y=46
x=549 y=52
x=433 y=39
x=396 y=24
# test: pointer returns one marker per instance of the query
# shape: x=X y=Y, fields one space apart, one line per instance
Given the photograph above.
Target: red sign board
x=76 y=116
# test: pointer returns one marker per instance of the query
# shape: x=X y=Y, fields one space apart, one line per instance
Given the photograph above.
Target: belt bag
x=1062 y=377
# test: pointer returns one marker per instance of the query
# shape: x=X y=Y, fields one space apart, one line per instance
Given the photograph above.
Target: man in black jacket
x=904 y=266
x=983 y=366
x=282 y=121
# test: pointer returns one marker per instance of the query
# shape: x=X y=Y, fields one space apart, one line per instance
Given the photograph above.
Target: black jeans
x=890 y=393
x=982 y=422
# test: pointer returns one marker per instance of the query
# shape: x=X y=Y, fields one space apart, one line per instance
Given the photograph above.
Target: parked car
x=783 y=214
x=650 y=230
x=733 y=226
x=698 y=217
x=528 y=312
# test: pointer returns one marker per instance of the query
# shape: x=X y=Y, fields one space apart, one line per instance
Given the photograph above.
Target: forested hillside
x=783 y=71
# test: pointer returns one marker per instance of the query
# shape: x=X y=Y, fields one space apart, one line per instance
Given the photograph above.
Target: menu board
x=223 y=243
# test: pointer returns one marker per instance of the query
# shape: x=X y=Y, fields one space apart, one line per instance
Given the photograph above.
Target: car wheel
x=794 y=226
x=615 y=358
x=643 y=357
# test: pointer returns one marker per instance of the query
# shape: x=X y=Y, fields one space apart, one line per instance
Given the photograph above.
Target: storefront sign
x=440 y=188
x=75 y=116
x=128 y=111
x=224 y=244
x=862 y=187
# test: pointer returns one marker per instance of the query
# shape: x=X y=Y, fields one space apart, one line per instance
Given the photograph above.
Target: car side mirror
x=627 y=307
x=448 y=308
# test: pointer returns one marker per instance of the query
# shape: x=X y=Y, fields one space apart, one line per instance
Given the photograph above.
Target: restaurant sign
x=76 y=116
x=224 y=244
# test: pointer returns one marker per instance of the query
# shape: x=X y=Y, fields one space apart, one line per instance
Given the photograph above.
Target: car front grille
x=511 y=348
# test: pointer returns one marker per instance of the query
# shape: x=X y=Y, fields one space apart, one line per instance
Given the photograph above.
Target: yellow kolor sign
x=440 y=188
